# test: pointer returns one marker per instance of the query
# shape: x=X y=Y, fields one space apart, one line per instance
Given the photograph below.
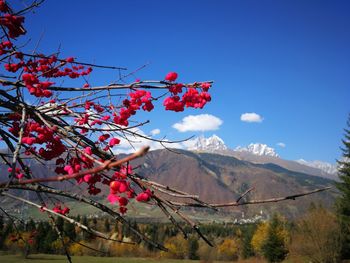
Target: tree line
x=316 y=236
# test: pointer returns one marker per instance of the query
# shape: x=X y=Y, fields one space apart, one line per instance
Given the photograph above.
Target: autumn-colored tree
x=317 y=237
x=228 y=249
x=22 y=242
x=58 y=246
x=206 y=254
x=259 y=237
x=80 y=249
x=177 y=248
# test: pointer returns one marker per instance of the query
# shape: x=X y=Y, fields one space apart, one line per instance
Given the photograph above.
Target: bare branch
x=253 y=202
x=70 y=220
x=106 y=166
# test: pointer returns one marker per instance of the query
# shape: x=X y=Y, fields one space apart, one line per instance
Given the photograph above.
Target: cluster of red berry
x=36 y=72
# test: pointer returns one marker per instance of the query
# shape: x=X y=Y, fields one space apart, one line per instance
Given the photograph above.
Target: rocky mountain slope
x=323 y=166
x=219 y=178
x=261 y=153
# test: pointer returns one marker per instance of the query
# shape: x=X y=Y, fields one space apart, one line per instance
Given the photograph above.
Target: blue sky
x=288 y=61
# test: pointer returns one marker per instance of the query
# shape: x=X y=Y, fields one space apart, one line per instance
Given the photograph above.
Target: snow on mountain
x=217 y=145
x=258 y=149
x=323 y=166
x=211 y=144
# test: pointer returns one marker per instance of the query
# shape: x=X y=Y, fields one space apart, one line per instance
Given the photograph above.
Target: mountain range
x=218 y=174
x=262 y=153
x=258 y=149
x=220 y=178
x=208 y=168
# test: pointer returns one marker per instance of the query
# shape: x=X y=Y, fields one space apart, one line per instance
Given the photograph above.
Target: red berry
x=114 y=186
x=171 y=76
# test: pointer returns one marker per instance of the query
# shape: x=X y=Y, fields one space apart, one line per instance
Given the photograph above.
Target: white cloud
x=189 y=143
x=202 y=122
x=155 y=132
x=130 y=143
x=251 y=117
x=281 y=144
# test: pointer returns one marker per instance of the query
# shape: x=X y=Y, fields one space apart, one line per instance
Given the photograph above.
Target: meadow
x=41 y=258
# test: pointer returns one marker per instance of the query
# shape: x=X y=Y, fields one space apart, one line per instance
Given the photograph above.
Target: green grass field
x=41 y=258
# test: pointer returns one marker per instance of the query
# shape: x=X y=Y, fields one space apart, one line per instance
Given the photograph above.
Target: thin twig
x=70 y=220
x=106 y=166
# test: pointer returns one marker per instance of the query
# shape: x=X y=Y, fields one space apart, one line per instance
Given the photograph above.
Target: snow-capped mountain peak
x=258 y=149
x=211 y=144
x=323 y=166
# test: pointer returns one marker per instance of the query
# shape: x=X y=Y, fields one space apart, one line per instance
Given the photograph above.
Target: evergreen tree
x=107 y=225
x=247 y=248
x=135 y=237
x=1 y=223
x=193 y=248
x=59 y=223
x=40 y=237
x=9 y=229
x=30 y=226
x=94 y=221
x=171 y=230
x=343 y=202
x=152 y=232
x=85 y=222
x=69 y=230
x=51 y=236
x=274 y=249
x=2 y=239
